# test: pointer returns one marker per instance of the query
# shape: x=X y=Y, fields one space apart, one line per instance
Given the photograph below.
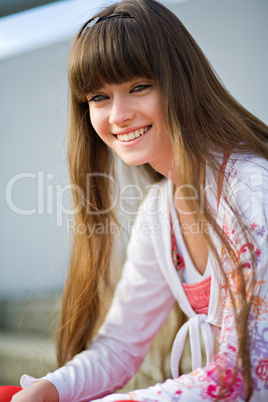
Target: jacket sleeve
x=247 y=189
x=141 y=303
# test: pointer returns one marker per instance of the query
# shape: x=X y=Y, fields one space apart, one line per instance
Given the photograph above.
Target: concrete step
x=27 y=329
x=35 y=356
x=37 y=315
x=21 y=353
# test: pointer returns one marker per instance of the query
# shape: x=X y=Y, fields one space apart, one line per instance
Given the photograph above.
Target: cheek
x=157 y=109
x=97 y=121
x=100 y=126
x=93 y=120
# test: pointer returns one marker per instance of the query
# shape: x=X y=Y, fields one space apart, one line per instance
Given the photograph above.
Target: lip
x=132 y=142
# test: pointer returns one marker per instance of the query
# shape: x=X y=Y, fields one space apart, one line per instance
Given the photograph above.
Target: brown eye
x=98 y=98
x=140 y=88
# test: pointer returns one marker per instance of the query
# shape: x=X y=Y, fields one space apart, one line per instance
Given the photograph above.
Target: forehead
x=109 y=53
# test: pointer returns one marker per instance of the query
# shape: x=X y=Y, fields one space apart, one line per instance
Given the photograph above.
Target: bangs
x=111 y=51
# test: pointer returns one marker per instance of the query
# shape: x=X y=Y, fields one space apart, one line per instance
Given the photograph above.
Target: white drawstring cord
x=193 y=325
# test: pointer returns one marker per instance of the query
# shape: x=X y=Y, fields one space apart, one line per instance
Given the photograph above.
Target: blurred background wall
x=34 y=47
x=16 y=6
x=33 y=118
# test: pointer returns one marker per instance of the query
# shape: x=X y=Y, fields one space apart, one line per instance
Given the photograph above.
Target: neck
x=167 y=169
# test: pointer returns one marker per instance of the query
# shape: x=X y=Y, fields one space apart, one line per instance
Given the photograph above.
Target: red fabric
x=7 y=391
x=198 y=294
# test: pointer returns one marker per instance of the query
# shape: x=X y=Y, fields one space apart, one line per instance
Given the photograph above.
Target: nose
x=121 y=111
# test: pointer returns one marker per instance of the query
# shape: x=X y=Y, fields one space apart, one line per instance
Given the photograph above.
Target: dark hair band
x=99 y=19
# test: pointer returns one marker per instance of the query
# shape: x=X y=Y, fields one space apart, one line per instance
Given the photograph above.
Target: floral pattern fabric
x=246 y=191
x=150 y=285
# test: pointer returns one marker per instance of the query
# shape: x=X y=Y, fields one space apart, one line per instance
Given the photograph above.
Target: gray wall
x=33 y=119
x=233 y=35
x=8 y=7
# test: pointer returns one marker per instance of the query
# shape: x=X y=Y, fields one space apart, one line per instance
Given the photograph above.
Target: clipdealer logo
x=49 y=198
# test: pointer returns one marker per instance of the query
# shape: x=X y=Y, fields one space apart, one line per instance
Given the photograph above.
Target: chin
x=133 y=162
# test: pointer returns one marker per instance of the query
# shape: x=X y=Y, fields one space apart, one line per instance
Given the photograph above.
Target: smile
x=133 y=134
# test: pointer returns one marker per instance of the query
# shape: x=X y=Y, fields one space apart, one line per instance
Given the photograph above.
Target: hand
x=40 y=391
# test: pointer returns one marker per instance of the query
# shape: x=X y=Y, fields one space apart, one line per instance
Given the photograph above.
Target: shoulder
x=152 y=213
x=247 y=167
x=246 y=175
x=150 y=223
x=156 y=199
x=246 y=189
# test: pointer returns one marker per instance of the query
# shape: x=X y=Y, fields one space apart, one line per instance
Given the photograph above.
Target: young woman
x=140 y=87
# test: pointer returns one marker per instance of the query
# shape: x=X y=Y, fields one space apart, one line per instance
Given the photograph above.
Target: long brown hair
x=202 y=117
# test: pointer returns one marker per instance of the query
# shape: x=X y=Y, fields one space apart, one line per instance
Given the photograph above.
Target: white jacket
x=150 y=285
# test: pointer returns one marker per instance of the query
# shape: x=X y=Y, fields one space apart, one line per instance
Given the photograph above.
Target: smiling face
x=130 y=119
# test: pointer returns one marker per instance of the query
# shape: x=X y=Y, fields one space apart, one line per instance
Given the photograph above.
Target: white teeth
x=133 y=134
